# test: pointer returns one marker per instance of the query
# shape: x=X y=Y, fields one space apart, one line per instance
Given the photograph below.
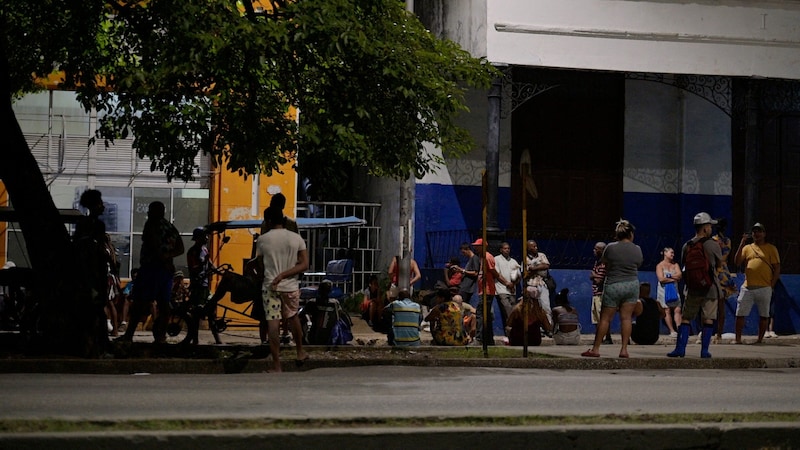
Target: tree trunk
x=65 y=321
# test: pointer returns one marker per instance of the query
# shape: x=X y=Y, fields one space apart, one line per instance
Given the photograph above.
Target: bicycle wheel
x=178 y=327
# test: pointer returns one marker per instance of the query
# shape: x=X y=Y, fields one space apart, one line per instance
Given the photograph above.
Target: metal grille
x=359 y=243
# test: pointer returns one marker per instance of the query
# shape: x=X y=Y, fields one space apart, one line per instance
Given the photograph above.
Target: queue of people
x=461 y=311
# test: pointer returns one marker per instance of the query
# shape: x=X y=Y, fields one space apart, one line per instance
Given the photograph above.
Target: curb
x=652 y=437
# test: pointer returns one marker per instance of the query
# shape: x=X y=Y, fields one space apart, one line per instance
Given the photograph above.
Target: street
x=397 y=392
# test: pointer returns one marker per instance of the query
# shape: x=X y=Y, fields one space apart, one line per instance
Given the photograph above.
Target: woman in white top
x=669 y=274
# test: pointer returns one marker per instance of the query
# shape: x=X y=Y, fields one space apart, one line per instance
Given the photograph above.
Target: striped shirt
x=406 y=317
x=600 y=270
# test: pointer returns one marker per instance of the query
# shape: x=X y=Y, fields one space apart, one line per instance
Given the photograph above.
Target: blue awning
x=302 y=223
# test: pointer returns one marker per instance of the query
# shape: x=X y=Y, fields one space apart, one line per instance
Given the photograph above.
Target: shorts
x=761 y=296
x=597 y=305
x=698 y=304
x=673 y=304
x=615 y=294
x=280 y=305
x=153 y=284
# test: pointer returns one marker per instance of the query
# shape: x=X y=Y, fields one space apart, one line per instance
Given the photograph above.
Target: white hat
x=703 y=218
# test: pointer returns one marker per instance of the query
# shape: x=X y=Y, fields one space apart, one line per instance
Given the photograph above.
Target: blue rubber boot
x=705 y=340
x=680 y=342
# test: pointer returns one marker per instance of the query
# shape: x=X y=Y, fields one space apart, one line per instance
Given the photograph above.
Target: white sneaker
x=674 y=334
x=770 y=334
x=109 y=326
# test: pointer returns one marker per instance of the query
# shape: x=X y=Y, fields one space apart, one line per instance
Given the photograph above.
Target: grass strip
x=53 y=425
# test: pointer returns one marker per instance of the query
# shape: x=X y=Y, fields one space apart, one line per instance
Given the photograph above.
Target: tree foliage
x=370 y=82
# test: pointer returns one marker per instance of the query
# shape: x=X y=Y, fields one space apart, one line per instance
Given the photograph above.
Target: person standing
x=669 y=274
x=538 y=270
x=414 y=275
x=278 y=201
x=90 y=245
x=160 y=243
x=200 y=268
x=598 y=278
x=487 y=279
x=470 y=273
x=621 y=290
x=726 y=283
x=510 y=270
x=284 y=256
x=762 y=271
x=699 y=299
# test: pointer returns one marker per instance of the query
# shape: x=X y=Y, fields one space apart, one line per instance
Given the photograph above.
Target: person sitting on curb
x=566 y=324
x=406 y=320
x=537 y=318
x=447 y=322
x=647 y=316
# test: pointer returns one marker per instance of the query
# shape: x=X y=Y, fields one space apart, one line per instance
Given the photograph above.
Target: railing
x=359 y=243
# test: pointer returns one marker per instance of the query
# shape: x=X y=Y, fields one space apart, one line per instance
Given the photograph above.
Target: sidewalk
x=242 y=352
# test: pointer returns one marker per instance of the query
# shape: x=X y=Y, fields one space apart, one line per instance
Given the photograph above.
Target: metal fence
x=359 y=243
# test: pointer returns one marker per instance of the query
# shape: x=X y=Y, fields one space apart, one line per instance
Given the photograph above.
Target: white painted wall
x=722 y=37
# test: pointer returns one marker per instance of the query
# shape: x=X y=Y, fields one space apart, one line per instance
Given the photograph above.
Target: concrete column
x=751 y=155
x=493 y=152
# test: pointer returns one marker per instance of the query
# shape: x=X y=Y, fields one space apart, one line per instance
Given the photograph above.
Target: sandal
x=624 y=355
x=590 y=354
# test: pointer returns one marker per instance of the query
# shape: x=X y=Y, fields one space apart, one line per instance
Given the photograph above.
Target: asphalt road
x=397 y=392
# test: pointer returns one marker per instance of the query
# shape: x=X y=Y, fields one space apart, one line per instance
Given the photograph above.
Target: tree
x=225 y=78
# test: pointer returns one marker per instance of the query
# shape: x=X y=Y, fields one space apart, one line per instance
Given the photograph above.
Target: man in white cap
x=762 y=271
x=701 y=298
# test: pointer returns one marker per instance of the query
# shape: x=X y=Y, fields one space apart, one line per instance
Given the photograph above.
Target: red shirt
x=487 y=270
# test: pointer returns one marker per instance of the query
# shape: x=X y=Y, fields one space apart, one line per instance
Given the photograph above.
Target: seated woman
x=567 y=326
x=453 y=273
x=537 y=318
x=647 y=316
x=447 y=323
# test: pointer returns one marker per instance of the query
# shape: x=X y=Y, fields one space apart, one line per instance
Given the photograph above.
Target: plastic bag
x=341 y=333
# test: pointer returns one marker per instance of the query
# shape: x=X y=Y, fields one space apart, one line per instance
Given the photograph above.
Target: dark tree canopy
x=223 y=77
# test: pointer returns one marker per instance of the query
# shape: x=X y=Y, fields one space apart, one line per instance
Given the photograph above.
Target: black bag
x=243 y=289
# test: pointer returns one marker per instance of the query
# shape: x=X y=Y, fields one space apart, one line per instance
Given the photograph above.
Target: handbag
x=340 y=333
x=670 y=293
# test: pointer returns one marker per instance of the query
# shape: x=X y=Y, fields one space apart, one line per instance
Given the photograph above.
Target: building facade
x=647 y=110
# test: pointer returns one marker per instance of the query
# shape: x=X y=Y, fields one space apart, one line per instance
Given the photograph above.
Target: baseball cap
x=177 y=274
x=758 y=225
x=703 y=218
x=478 y=243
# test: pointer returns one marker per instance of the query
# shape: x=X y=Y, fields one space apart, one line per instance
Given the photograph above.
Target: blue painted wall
x=786 y=304
x=658 y=217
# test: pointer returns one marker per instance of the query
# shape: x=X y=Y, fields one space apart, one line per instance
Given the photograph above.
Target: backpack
x=696 y=271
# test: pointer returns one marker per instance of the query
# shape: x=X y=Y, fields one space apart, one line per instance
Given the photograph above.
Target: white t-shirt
x=278 y=249
x=510 y=271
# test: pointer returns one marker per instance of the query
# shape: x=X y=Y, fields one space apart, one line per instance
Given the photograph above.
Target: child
x=453 y=273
